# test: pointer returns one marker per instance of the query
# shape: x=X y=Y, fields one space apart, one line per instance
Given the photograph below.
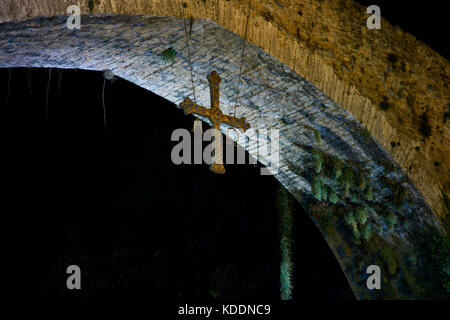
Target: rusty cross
x=217 y=118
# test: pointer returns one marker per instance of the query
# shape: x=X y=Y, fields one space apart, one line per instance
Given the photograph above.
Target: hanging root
x=60 y=74
x=104 y=108
x=8 y=94
x=285 y=208
x=48 y=91
x=29 y=82
x=107 y=75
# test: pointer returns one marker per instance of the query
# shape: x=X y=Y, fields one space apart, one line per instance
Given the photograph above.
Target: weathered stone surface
x=271 y=95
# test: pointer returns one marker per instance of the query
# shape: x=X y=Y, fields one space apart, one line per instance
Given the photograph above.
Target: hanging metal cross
x=217 y=118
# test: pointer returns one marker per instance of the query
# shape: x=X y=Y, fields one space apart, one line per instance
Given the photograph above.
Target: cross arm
x=191 y=107
x=236 y=122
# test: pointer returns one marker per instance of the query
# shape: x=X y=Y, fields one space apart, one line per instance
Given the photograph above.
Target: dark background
x=426 y=20
x=113 y=203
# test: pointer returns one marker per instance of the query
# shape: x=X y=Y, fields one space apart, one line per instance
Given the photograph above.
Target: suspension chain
x=189 y=51
x=242 y=60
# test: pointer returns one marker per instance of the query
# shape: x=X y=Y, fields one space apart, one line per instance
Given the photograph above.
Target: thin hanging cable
x=48 y=91
x=189 y=52
x=242 y=60
x=29 y=82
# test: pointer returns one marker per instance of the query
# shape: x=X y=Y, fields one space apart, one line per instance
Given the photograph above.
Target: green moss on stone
x=332 y=196
x=337 y=167
x=317 y=136
x=367 y=232
x=356 y=234
x=368 y=194
x=389 y=258
x=318 y=160
x=362 y=182
x=169 y=55
x=361 y=215
x=434 y=257
x=350 y=220
x=317 y=189
x=391 y=219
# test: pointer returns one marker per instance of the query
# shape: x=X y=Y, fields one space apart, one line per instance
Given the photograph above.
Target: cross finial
x=214 y=78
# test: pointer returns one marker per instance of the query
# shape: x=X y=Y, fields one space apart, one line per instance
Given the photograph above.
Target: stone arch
x=328 y=43
x=129 y=46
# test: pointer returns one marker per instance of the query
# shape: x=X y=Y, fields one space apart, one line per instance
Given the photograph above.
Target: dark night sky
x=426 y=20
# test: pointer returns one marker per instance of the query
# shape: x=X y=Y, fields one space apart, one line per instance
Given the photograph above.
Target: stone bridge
x=302 y=84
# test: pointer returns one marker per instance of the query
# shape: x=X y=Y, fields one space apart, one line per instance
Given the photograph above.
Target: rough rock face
x=396 y=86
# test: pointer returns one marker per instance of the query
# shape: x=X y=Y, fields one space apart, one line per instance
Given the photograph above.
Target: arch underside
x=271 y=96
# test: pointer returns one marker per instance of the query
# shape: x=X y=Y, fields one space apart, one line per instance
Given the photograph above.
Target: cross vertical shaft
x=214 y=83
